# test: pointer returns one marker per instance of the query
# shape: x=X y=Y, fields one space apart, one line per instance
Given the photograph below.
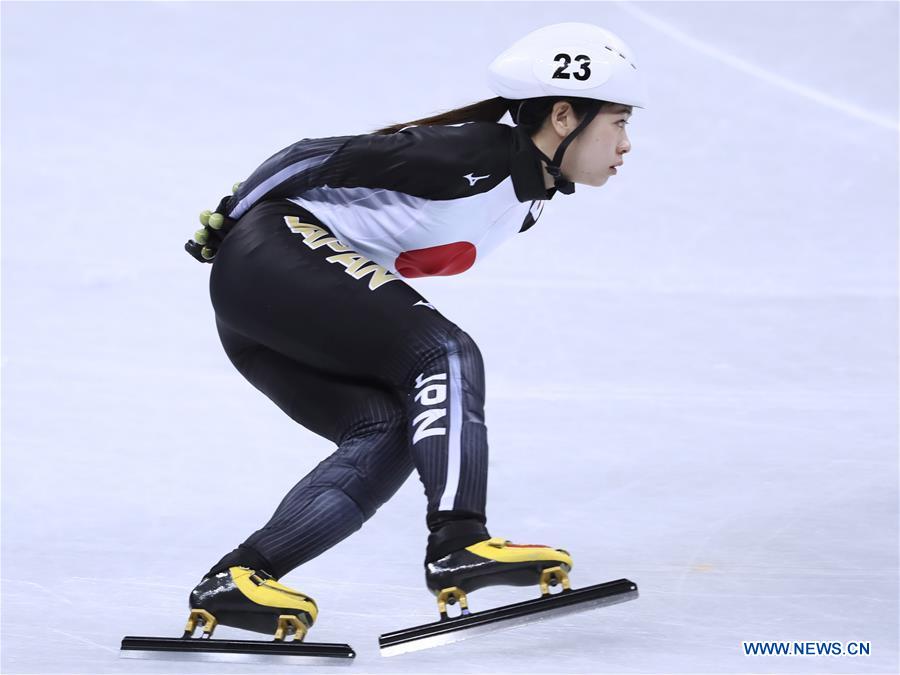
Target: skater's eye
x=623 y=121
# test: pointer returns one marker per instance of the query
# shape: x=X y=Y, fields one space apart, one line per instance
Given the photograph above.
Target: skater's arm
x=437 y=162
x=432 y=162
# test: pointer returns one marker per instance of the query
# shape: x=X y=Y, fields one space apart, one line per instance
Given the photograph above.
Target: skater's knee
x=378 y=475
x=358 y=495
x=464 y=345
x=448 y=344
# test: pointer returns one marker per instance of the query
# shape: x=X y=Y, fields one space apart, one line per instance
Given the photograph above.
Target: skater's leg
x=372 y=461
x=449 y=437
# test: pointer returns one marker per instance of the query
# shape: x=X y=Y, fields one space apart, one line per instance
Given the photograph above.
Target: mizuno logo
x=426 y=304
x=472 y=178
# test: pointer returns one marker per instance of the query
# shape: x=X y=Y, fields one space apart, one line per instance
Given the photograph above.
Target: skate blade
x=501 y=618
x=236 y=651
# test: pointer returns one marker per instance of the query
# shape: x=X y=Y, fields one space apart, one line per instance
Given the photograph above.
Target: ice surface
x=691 y=372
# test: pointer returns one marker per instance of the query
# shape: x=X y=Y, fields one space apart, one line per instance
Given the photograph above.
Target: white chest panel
x=426 y=237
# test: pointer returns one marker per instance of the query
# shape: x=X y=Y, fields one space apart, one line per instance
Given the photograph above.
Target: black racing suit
x=350 y=351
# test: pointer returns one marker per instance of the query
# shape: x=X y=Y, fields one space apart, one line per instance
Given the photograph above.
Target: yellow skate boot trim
x=502 y=550
x=270 y=593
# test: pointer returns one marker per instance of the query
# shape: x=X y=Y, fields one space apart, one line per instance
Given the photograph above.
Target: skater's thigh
x=281 y=279
x=332 y=406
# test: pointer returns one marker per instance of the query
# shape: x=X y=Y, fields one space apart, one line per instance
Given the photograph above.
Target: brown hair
x=530 y=116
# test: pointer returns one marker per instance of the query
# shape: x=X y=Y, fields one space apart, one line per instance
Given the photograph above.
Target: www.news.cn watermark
x=806 y=648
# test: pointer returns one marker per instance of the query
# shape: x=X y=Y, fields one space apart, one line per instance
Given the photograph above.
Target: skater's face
x=589 y=159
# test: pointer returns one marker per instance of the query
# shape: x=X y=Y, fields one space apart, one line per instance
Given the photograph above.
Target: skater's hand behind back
x=216 y=226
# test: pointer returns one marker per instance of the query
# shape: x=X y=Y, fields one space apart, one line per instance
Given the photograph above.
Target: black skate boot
x=462 y=557
x=493 y=562
x=252 y=600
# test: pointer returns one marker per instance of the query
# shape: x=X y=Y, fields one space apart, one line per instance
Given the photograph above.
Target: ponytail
x=489 y=110
x=529 y=114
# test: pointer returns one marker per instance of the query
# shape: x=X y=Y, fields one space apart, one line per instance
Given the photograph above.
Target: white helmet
x=569 y=59
x=576 y=60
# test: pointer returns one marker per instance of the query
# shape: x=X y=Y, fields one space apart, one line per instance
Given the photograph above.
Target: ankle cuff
x=243 y=556
x=453 y=536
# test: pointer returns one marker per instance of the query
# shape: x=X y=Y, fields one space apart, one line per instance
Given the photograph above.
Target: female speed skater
x=309 y=256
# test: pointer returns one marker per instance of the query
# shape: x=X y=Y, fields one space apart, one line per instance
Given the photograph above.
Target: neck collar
x=526 y=169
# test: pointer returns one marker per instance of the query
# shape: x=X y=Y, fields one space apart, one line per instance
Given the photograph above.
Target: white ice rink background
x=691 y=372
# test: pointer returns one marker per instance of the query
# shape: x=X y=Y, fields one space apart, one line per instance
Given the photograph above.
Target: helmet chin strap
x=562 y=183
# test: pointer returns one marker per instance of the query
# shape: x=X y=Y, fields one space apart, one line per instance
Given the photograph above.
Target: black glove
x=216 y=226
